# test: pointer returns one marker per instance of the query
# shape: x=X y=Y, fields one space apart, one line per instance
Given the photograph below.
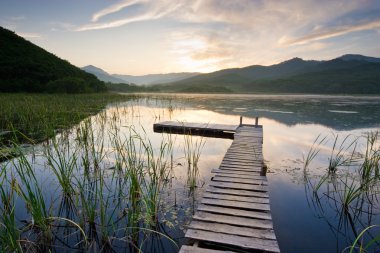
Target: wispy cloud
x=30 y=35
x=114 y=8
x=330 y=32
x=153 y=10
x=17 y=18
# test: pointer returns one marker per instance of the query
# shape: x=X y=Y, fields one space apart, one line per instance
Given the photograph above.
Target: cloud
x=17 y=18
x=327 y=33
x=114 y=8
x=29 y=35
x=153 y=10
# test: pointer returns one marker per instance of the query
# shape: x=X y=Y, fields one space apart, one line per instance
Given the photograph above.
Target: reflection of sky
x=284 y=147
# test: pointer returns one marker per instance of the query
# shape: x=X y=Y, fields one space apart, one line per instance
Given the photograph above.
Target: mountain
x=358 y=57
x=102 y=75
x=350 y=74
x=25 y=67
x=138 y=80
x=155 y=78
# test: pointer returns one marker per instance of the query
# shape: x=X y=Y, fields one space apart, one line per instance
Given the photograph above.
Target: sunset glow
x=161 y=36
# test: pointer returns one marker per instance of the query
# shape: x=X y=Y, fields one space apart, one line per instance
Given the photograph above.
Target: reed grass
x=351 y=193
x=88 y=189
x=40 y=116
x=9 y=233
x=192 y=149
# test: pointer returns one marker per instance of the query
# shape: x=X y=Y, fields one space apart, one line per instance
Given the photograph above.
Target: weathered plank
x=240 y=162
x=253 y=171
x=234 y=212
x=234 y=240
x=233 y=220
x=238 y=174
x=225 y=166
x=238 y=192
x=233 y=230
x=236 y=204
x=192 y=249
x=240 y=180
x=261 y=188
x=235 y=198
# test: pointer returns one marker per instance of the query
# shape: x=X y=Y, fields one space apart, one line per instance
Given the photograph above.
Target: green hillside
x=349 y=74
x=25 y=67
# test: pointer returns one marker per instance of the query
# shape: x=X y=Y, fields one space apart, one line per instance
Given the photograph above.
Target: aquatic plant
x=358 y=245
x=62 y=161
x=352 y=192
x=9 y=233
x=192 y=149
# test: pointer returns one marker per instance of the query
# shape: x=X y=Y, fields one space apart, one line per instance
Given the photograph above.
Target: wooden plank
x=240 y=180
x=244 y=156
x=233 y=220
x=241 y=167
x=235 y=161
x=234 y=212
x=249 y=199
x=234 y=240
x=236 y=204
x=238 y=174
x=195 y=249
x=242 y=163
x=192 y=249
x=261 y=188
x=233 y=230
x=238 y=192
x=243 y=152
x=252 y=171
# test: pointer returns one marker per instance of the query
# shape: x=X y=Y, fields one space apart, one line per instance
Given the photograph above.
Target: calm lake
x=306 y=218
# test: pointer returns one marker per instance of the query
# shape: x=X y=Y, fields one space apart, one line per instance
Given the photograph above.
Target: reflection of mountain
x=336 y=112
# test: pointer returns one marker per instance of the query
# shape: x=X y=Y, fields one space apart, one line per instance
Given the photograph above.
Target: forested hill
x=348 y=74
x=25 y=67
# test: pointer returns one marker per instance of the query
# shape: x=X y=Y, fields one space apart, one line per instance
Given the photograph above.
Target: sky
x=140 y=37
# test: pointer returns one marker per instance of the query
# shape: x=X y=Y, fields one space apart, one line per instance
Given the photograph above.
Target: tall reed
x=192 y=149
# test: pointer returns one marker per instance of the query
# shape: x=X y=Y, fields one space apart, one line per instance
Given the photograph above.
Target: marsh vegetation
x=94 y=176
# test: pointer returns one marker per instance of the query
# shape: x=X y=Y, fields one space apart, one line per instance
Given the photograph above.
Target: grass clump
x=41 y=116
x=349 y=185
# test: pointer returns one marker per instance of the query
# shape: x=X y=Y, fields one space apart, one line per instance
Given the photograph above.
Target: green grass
x=350 y=184
x=41 y=116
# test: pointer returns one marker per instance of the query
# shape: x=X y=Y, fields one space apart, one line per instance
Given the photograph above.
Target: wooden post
x=264 y=170
x=241 y=121
x=257 y=121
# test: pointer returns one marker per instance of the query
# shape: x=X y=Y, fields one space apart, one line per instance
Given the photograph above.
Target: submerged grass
x=192 y=148
x=95 y=187
x=351 y=193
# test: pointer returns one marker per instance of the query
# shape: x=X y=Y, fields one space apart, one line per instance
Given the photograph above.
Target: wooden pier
x=234 y=213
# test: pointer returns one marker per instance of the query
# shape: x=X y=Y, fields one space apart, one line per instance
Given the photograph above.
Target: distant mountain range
x=138 y=80
x=348 y=74
x=25 y=67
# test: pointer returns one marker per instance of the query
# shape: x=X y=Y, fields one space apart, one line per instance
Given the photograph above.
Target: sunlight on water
x=291 y=125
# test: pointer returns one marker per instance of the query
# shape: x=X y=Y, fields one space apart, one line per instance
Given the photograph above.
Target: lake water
x=303 y=221
x=291 y=125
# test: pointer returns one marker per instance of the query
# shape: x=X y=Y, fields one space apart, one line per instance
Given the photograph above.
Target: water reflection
x=336 y=112
x=291 y=124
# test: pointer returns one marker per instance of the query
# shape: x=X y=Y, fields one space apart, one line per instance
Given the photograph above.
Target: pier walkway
x=234 y=213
